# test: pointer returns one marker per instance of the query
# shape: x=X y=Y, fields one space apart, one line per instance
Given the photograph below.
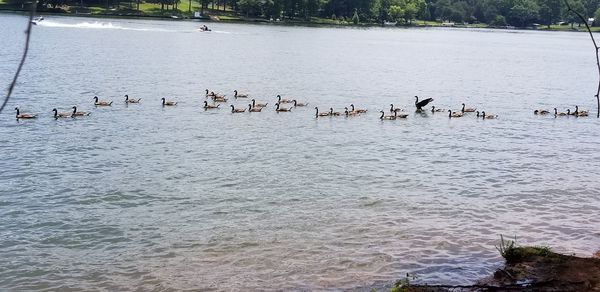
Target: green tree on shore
x=576 y=5
x=523 y=13
x=355 y=18
x=545 y=14
x=396 y=13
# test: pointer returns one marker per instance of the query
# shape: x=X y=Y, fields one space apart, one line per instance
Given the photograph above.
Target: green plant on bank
x=403 y=285
x=506 y=247
x=512 y=253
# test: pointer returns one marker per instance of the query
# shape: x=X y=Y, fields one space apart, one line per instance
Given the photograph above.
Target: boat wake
x=94 y=25
x=110 y=25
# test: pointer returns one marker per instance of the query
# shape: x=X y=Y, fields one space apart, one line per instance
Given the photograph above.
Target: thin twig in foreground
x=28 y=32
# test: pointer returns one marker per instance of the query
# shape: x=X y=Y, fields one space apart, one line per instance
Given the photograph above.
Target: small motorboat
x=204 y=28
x=37 y=20
x=390 y=23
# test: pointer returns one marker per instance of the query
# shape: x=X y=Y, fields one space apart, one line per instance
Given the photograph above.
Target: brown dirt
x=535 y=269
x=548 y=271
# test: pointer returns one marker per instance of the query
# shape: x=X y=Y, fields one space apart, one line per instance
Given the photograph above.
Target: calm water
x=147 y=197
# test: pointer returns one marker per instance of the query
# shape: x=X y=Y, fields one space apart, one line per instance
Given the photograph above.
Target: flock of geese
x=576 y=112
x=280 y=106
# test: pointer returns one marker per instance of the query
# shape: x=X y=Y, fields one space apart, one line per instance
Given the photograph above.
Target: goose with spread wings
x=422 y=103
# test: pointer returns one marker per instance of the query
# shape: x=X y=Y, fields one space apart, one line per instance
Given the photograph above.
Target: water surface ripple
x=151 y=198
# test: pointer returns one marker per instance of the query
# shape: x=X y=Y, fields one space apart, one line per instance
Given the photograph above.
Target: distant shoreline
x=293 y=22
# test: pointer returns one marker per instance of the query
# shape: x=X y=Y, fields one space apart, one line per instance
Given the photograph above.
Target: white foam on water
x=110 y=25
x=94 y=25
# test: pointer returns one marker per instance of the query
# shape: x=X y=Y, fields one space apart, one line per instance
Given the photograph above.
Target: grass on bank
x=512 y=253
x=576 y=27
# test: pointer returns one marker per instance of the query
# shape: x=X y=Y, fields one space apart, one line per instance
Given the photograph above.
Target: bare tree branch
x=596 y=48
x=28 y=32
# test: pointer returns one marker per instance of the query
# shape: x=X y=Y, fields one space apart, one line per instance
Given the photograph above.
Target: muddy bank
x=531 y=269
x=535 y=269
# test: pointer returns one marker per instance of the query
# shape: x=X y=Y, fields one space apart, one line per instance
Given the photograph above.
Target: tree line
x=518 y=13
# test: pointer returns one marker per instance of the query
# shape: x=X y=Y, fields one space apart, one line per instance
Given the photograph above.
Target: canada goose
x=210 y=106
x=422 y=103
x=332 y=113
x=556 y=113
x=393 y=110
x=254 y=104
x=401 y=115
x=467 y=109
x=580 y=113
x=237 y=110
x=435 y=110
x=61 y=115
x=454 y=114
x=284 y=100
x=78 y=113
x=569 y=113
x=541 y=112
x=101 y=103
x=219 y=99
x=350 y=113
x=24 y=116
x=318 y=114
x=477 y=114
x=168 y=103
x=131 y=100
x=357 y=110
x=282 y=109
x=254 y=109
x=384 y=117
x=296 y=103
x=487 y=116
x=217 y=95
x=239 y=95
x=212 y=94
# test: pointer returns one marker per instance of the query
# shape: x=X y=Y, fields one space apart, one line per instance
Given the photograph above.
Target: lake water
x=152 y=198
